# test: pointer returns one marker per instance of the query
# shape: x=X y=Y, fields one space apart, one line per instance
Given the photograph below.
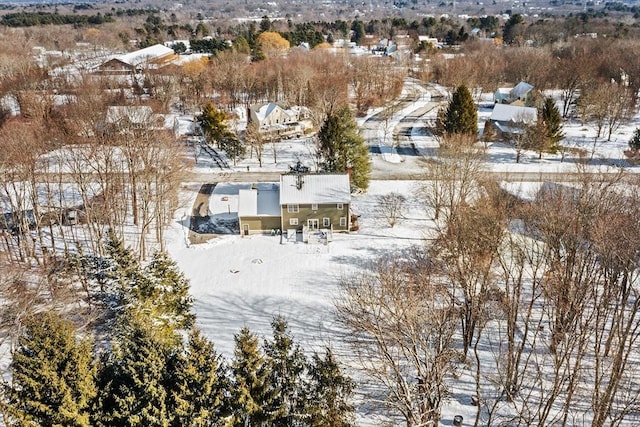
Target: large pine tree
x=166 y=293
x=132 y=380
x=461 y=115
x=53 y=375
x=286 y=364
x=197 y=384
x=342 y=148
x=552 y=121
x=329 y=393
x=250 y=387
x=213 y=123
x=123 y=274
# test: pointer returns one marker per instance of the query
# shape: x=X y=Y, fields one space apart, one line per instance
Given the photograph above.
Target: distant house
x=429 y=41
x=151 y=57
x=521 y=95
x=315 y=201
x=122 y=118
x=275 y=121
x=510 y=120
x=270 y=114
x=300 y=202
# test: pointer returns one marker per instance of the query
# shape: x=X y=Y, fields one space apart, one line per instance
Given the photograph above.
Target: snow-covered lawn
x=246 y=281
x=239 y=281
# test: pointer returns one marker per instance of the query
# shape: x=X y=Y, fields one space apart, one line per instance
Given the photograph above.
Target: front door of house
x=245 y=230
x=313 y=224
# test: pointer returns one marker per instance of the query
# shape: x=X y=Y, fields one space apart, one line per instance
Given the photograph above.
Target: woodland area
x=102 y=332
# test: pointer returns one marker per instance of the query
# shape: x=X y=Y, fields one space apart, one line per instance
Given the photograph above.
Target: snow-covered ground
x=246 y=281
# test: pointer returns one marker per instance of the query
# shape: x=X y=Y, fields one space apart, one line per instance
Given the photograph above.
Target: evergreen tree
x=513 y=30
x=286 y=364
x=250 y=387
x=53 y=375
x=329 y=393
x=197 y=384
x=461 y=115
x=157 y=294
x=214 y=125
x=132 y=378
x=341 y=147
x=265 y=24
x=257 y=54
x=634 y=142
x=123 y=274
x=357 y=27
x=167 y=293
x=241 y=45
x=552 y=121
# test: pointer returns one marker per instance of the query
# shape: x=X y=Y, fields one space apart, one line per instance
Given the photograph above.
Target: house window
x=326 y=222
x=292 y=208
x=314 y=207
x=340 y=206
x=293 y=221
x=343 y=221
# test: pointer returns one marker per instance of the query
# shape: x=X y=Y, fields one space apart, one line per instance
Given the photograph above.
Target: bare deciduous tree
x=465 y=252
x=399 y=323
x=454 y=179
x=391 y=206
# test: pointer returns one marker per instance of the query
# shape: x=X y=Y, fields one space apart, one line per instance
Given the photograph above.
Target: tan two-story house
x=300 y=202
x=315 y=201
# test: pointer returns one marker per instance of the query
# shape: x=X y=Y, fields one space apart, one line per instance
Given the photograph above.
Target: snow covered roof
x=514 y=114
x=137 y=114
x=145 y=55
x=511 y=94
x=260 y=201
x=315 y=188
x=266 y=110
x=19 y=196
x=514 y=130
x=521 y=89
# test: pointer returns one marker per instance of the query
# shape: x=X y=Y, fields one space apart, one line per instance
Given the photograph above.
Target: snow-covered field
x=247 y=281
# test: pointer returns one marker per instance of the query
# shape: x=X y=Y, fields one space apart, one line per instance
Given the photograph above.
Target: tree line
x=142 y=362
x=29 y=19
